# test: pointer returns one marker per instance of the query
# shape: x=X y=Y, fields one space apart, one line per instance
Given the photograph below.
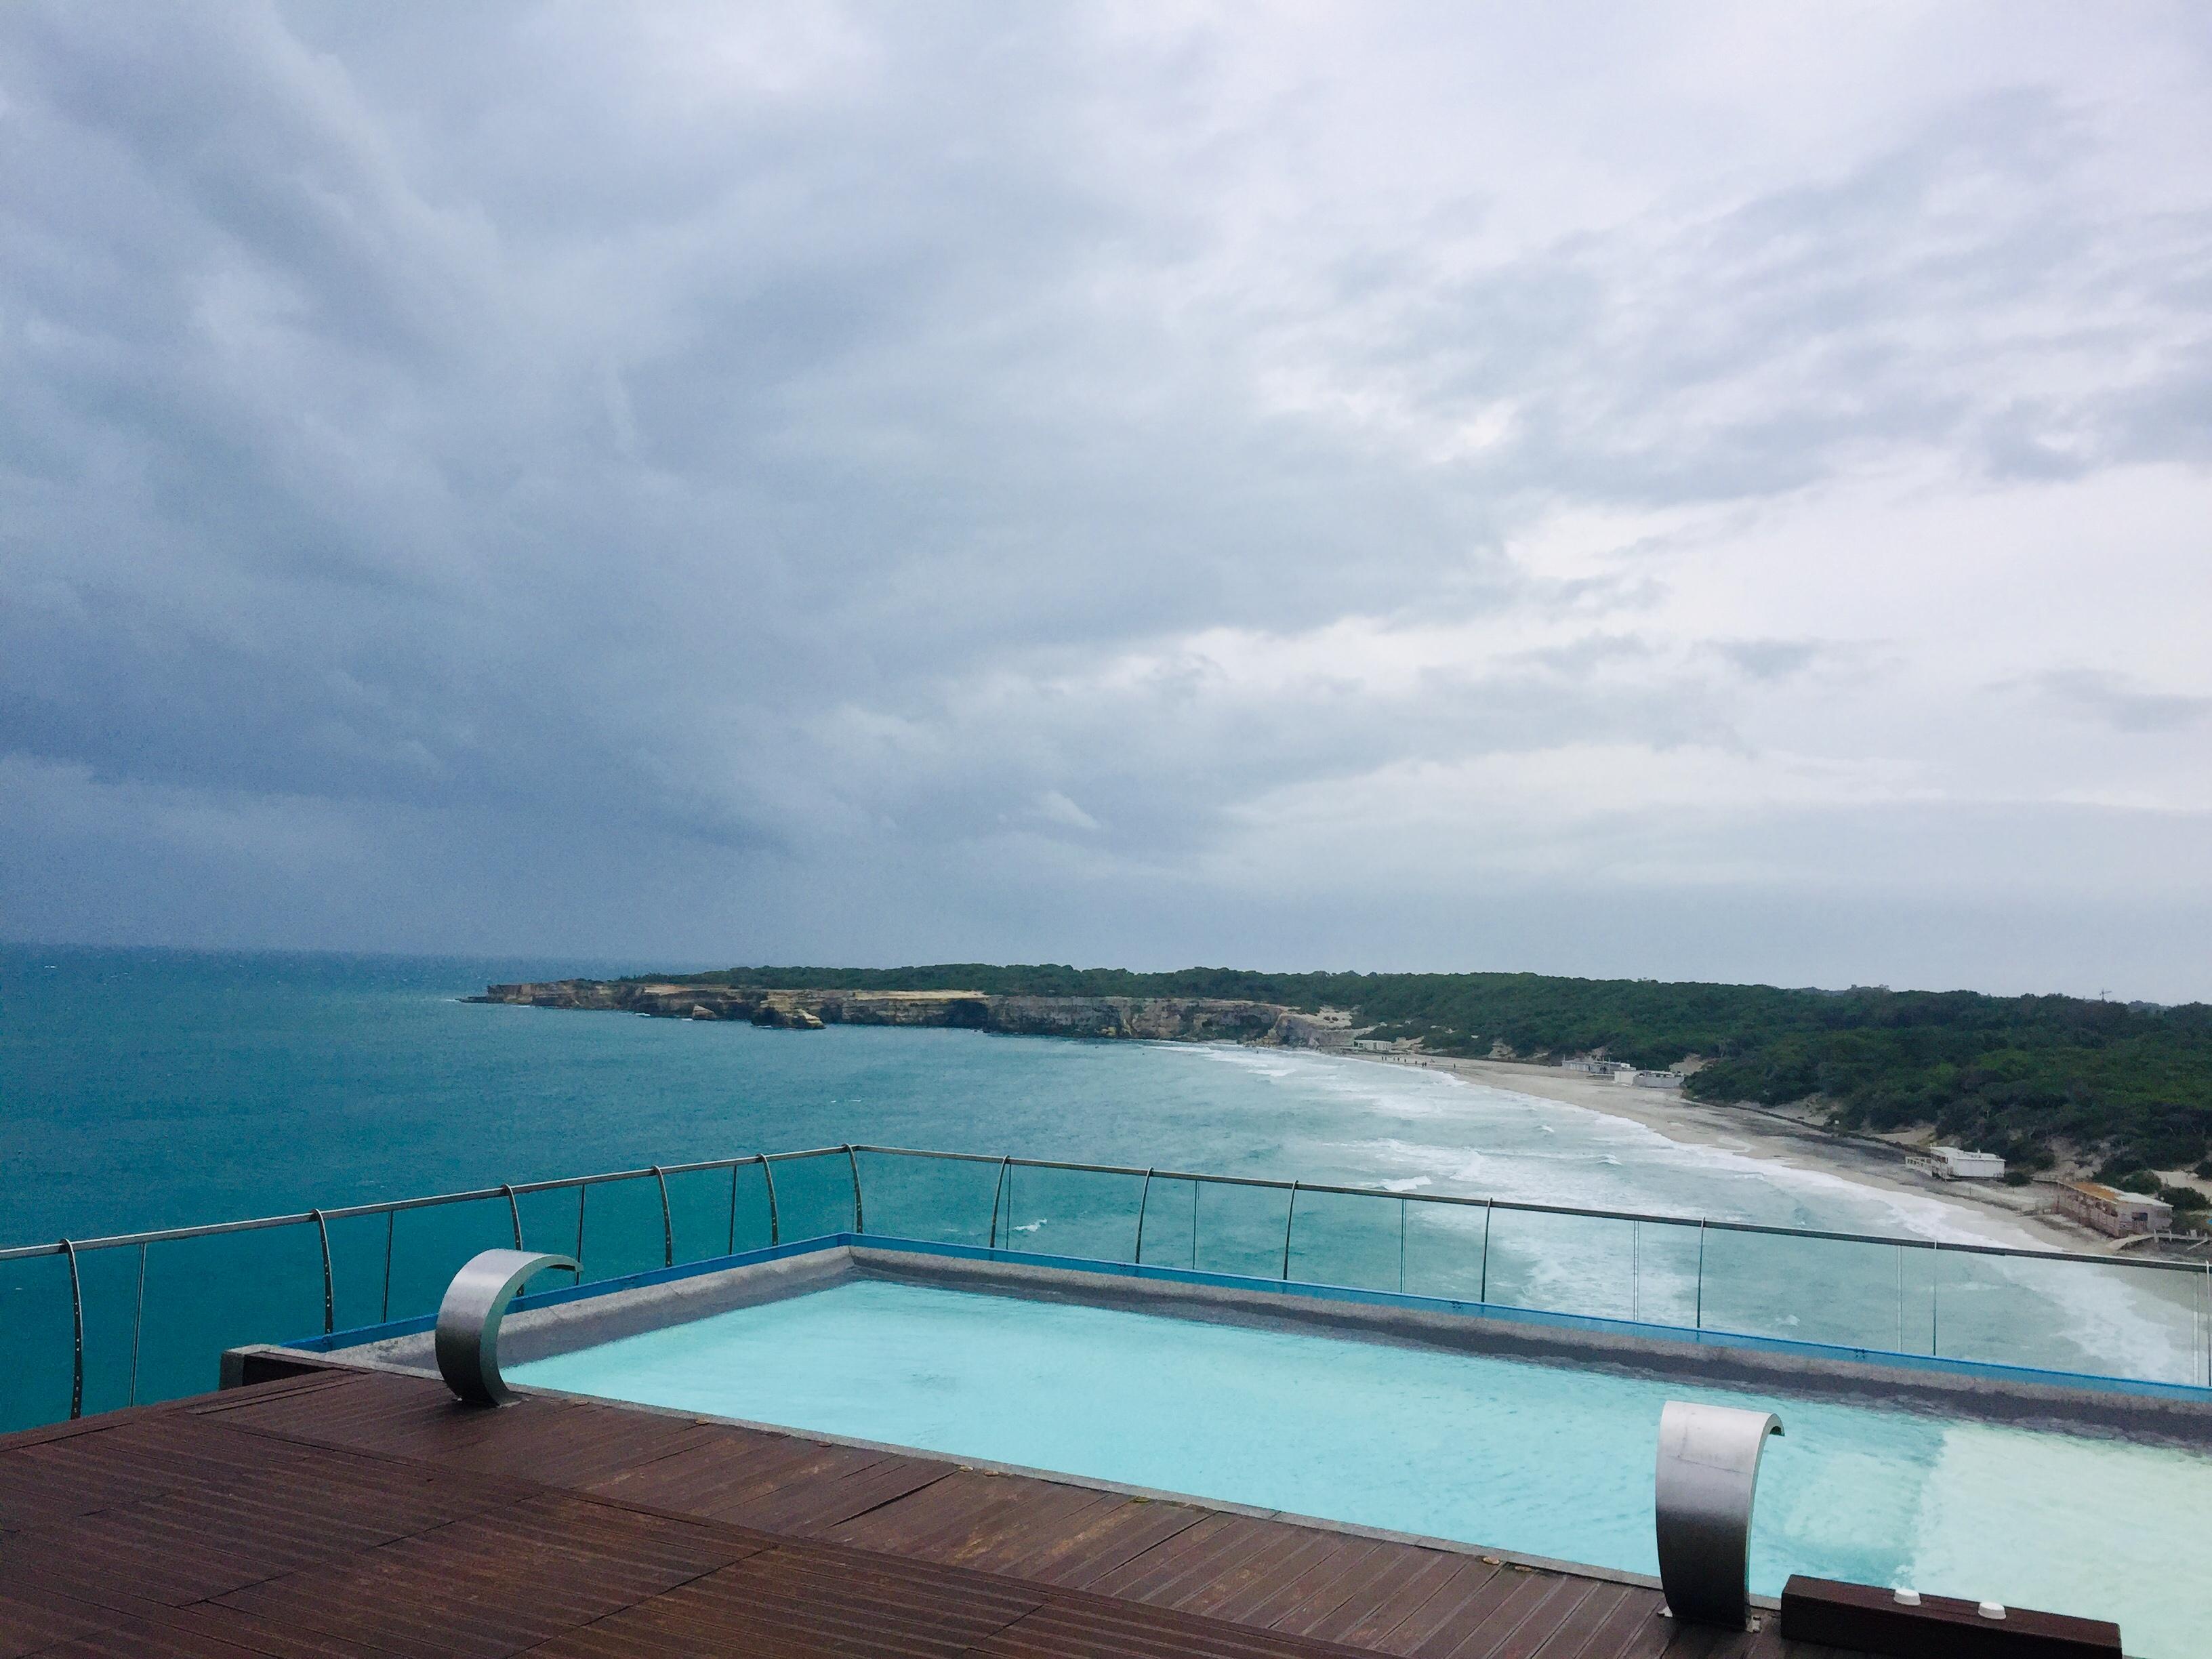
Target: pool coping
x=571 y=1317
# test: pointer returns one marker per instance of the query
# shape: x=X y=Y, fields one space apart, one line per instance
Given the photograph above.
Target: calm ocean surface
x=147 y=1089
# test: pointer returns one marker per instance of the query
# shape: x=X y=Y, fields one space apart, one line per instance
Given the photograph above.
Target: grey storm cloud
x=987 y=480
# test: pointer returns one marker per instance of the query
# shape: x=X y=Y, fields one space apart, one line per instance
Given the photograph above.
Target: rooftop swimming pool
x=1534 y=1458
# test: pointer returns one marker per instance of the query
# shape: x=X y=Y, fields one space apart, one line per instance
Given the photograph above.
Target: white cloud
x=911 y=471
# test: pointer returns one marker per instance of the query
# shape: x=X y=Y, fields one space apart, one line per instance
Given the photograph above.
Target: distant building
x=1660 y=1079
x=1593 y=1067
x=1950 y=1163
x=2109 y=1211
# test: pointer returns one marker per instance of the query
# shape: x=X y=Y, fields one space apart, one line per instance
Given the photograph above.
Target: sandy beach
x=1758 y=1134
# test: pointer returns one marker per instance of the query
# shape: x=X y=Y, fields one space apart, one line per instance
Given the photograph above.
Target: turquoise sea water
x=1535 y=1459
x=146 y=1089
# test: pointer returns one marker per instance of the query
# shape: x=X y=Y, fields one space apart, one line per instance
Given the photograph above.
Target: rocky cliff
x=1172 y=1019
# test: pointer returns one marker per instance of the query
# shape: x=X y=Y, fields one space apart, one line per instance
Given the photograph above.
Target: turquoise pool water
x=1534 y=1459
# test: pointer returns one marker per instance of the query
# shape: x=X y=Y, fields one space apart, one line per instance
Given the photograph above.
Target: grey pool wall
x=570 y=1318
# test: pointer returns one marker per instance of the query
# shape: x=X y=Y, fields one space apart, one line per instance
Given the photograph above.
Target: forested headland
x=2126 y=1085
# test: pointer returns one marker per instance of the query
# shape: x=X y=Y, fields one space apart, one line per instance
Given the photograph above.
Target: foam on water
x=1376 y=1124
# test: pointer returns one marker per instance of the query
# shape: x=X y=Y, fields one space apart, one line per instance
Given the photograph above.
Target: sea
x=144 y=1089
x=147 y=1089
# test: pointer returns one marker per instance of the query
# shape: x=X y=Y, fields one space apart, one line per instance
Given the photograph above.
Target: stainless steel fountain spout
x=1708 y=1477
x=467 y=1342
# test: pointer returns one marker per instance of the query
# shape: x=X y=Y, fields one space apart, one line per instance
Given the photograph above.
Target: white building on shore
x=1951 y=1163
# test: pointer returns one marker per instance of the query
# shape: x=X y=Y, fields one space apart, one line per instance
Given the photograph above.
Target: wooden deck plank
x=1473 y=1583
x=1274 y=1576
x=119 y=1610
x=1634 y=1629
x=1382 y=1601
x=996 y=1537
x=1163 y=1574
x=1351 y=1562
x=499 y=1581
x=1079 y=1556
x=809 y=1509
x=1519 y=1626
x=944 y=1510
x=784 y=1600
x=728 y=1472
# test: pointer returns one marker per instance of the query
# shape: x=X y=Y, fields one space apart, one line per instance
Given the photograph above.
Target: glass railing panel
x=111 y=1307
x=1568 y=1264
x=622 y=1228
x=430 y=1245
x=2117 y=1319
x=549 y=1222
x=1848 y=1292
x=699 y=1211
x=204 y=1295
x=1444 y=1249
x=111 y=1304
x=1663 y=1256
x=1240 y=1229
x=1169 y=1235
x=357 y=1260
x=34 y=1301
x=1355 y=1240
x=754 y=1222
x=814 y=1195
x=944 y=1200
x=1082 y=1214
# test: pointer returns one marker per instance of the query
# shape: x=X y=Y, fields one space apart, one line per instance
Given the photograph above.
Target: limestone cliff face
x=1171 y=1019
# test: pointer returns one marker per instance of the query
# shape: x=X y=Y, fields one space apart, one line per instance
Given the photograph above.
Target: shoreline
x=1767 y=1137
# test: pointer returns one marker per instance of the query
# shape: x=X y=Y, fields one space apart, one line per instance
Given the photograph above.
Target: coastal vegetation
x=2128 y=1086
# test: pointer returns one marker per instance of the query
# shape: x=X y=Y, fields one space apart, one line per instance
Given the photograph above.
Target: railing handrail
x=386 y=1206
x=1526 y=1205
x=568 y=1183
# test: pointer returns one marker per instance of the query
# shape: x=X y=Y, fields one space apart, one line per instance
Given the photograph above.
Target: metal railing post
x=583 y=1188
x=1935 y=1298
x=76 y=1323
x=513 y=1215
x=1901 y=1298
x=1482 y=1285
x=667 y=1222
x=998 y=1191
x=1193 y=1226
x=138 y=1324
x=1289 y=1216
x=1698 y=1318
x=859 y=1222
x=732 y=1249
x=1635 y=1268
x=391 y=1221
x=1402 y=1208
x=775 y=1224
x=1144 y=1197
x=330 y=1297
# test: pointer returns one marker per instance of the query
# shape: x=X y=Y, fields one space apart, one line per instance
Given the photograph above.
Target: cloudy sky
x=1716 y=491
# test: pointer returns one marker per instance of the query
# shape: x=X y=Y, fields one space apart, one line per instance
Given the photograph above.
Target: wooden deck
x=349 y=1513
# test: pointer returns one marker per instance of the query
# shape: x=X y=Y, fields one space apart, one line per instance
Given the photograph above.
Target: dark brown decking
x=349 y=1513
